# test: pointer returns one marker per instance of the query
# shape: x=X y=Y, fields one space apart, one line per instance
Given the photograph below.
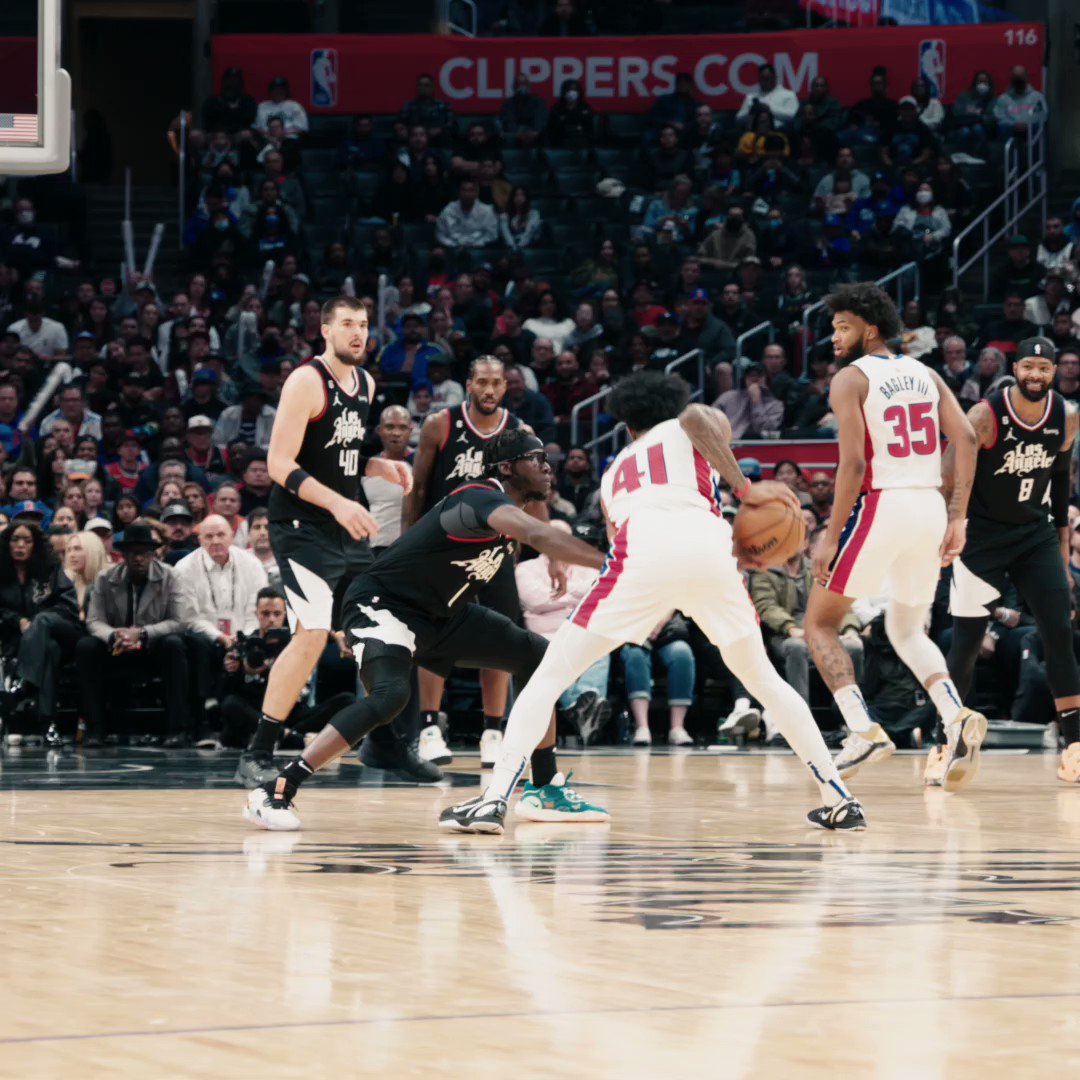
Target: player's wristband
x=295 y=479
x=742 y=492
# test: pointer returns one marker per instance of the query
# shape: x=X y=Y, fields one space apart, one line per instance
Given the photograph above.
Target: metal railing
x=576 y=412
x=742 y=361
x=900 y=276
x=693 y=356
x=1024 y=188
x=448 y=24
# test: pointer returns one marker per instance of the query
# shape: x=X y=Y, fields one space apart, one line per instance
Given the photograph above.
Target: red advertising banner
x=358 y=73
x=852 y=12
x=18 y=75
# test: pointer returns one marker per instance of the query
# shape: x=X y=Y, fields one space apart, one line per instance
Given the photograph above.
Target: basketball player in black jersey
x=1018 y=530
x=319 y=527
x=414 y=606
x=451 y=453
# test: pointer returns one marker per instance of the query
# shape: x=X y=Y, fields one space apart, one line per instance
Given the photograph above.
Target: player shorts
x=891 y=546
x=664 y=562
x=1029 y=555
x=314 y=560
x=474 y=636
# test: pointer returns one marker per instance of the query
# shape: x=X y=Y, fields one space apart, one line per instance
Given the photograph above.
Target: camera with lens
x=254 y=650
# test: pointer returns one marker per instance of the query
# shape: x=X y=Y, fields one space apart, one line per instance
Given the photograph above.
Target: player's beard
x=483 y=409
x=349 y=360
x=1027 y=395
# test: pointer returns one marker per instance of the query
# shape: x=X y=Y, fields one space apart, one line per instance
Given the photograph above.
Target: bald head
x=215 y=538
x=395 y=429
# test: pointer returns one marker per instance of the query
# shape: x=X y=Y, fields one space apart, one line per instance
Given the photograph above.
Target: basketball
x=771 y=532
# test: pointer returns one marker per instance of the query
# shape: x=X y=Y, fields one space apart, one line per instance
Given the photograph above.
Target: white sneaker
x=490 y=745
x=934 y=772
x=432 y=746
x=13 y=738
x=680 y=737
x=642 y=737
x=1051 y=736
x=743 y=719
x=861 y=749
x=265 y=812
x=965 y=735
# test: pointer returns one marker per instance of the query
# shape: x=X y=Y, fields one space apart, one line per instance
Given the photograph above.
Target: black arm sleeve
x=1059 y=488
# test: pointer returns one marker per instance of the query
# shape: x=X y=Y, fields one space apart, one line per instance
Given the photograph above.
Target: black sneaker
x=845 y=815
x=400 y=758
x=255 y=769
x=476 y=815
x=52 y=736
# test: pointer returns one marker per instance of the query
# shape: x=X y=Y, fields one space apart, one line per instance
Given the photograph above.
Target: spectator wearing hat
x=128 y=467
x=200 y=449
x=911 y=141
x=231 y=110
x=180 y=529
x=529 y=406
x=202 y=398
x=1020 y=107
x=702 y=330
x=1020 y=273
x=30 y=510
x=410 y=354
x=136 y=413
x=102 y=528
x=73 y=408
x=445 y=392
x=1055 y=299
x=136 y=619
x=281 y=104
x=752 y=411
x=251 y=421
x=729 y=243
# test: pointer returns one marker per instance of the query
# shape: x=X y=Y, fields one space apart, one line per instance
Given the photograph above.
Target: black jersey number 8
x=349 y=462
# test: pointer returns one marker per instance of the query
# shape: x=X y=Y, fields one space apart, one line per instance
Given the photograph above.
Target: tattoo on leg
x=830 y=658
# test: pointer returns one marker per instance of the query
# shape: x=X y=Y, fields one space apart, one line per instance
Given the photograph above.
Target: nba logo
x=932 y=65
x=324 y=78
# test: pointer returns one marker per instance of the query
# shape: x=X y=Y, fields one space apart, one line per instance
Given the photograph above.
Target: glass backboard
x=35 y=93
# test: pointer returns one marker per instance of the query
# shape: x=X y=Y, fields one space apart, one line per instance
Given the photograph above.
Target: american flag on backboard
x=18 y=128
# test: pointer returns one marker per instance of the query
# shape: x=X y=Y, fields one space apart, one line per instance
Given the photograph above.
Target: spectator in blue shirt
x=361 y=148
x=410 y=354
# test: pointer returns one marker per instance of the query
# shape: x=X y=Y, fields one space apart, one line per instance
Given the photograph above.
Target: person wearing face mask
x=523 y=116
x=26 y=249
x=1020 y=107
x=571 y=122
x=927 y=225
x=973 y=111
x=729 y=243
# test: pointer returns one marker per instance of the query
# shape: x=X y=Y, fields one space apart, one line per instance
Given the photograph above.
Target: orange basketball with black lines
x=771 y=532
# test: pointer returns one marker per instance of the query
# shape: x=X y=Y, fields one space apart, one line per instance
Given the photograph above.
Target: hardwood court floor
x=706 y=933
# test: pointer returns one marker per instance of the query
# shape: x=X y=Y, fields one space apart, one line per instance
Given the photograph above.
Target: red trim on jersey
x=703 y=470
x=325 y=402
x=465 y=487
x=480 y=434
x=449 y=428
x=868 y=453
x=847 y=557
x=609 y=578
x=1017 y=420
x=993 y=416
x=356 y=378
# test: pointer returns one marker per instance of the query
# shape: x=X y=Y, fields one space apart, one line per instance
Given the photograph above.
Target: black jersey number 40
x=349 y=462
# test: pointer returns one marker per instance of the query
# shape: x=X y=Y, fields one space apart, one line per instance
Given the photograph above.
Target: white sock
x=946 y=699
x=853 y=709
x=748 y=660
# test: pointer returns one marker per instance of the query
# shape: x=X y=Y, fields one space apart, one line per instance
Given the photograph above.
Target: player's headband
x=509 y=446
x=1032 y=347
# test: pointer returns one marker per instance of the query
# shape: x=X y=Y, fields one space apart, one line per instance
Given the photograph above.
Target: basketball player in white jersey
x=670 y=549
x=890 y=529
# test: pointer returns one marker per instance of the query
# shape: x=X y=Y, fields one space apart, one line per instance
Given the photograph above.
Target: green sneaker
x=556 y=802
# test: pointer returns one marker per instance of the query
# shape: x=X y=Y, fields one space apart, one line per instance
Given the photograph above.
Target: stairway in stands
x=149 y=205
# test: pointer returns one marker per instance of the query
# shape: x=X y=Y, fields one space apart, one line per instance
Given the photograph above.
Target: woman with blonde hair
x=84 y=558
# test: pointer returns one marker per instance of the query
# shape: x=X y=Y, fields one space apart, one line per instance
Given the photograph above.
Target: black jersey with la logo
x=460 y=459
x=1012 y=476
x=332 y=448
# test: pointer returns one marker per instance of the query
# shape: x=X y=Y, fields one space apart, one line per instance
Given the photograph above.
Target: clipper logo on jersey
x=348 y=428
x=485 y=566
x=468 y=465
x=1026 y=458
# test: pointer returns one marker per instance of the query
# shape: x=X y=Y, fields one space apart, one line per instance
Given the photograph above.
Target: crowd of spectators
x=574 y=247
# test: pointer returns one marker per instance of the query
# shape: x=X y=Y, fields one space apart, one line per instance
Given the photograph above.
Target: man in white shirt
x=220 y=584
x=280 y=104
x=73 y=408
x=781 y=102
x=258 y=543
x=467 y=222
x=45 y=336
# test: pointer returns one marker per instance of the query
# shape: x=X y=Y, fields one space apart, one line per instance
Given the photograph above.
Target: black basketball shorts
x=314 y=561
